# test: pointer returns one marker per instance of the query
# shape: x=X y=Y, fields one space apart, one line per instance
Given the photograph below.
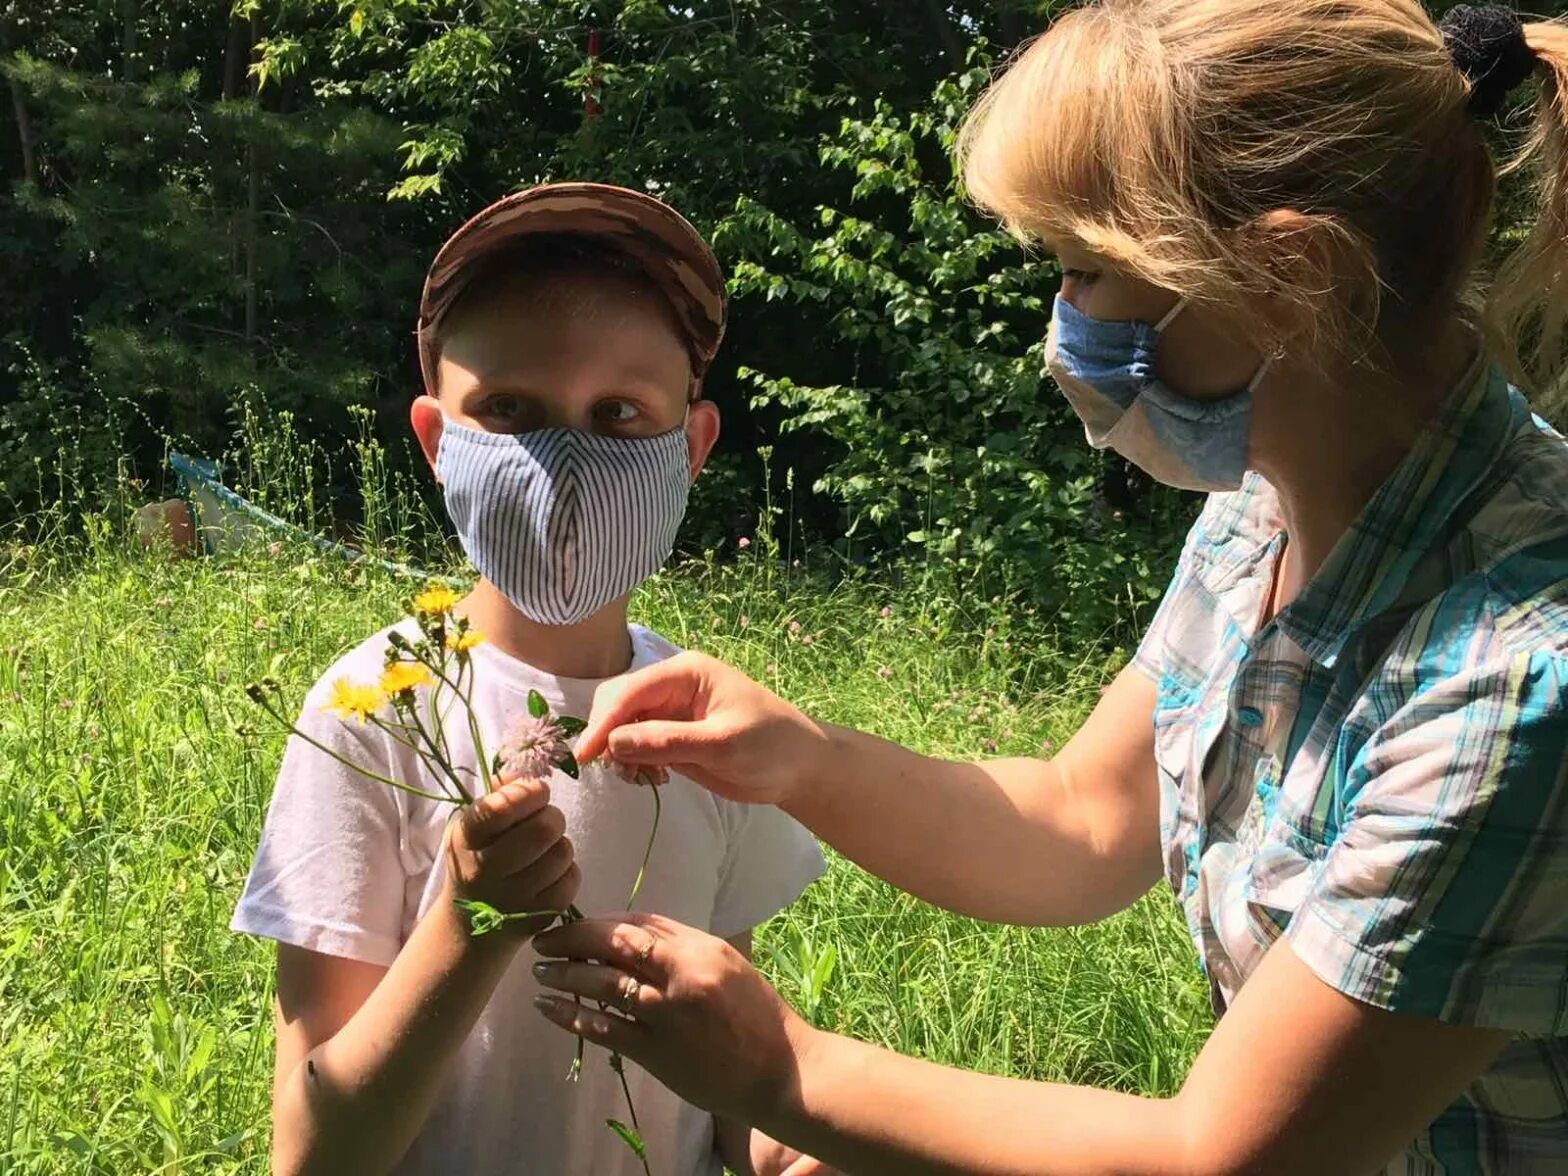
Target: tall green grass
x=135 y=1029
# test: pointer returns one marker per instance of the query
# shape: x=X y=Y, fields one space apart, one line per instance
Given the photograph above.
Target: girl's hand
x=709 y=722
x=690 y=1010
x=509 y=849
x=769 y=1157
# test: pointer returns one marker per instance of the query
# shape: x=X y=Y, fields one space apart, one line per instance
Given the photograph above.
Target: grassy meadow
x=135 y=1029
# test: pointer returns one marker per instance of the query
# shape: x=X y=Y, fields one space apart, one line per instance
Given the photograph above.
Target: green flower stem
x=646 y=854
x=366 y=772
x=617 y=1063
x=434 y=753
x=466 y=664
x=398 y=733
x=433 y=718
x=468 y=708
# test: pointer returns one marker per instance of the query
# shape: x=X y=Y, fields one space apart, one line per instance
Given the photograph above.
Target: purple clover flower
x=532 y=748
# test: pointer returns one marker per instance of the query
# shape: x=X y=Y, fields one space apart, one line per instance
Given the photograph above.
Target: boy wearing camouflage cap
x=563 y=334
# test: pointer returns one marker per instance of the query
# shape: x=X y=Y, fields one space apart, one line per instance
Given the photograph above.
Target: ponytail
x=1527 y=312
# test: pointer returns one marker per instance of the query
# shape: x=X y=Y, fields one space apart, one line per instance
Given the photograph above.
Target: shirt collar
x=1368 y=569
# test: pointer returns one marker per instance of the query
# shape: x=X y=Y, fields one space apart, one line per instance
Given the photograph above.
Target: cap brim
x=661 y=241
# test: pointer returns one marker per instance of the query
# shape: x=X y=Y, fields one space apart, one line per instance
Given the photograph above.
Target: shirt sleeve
x=769 y=861
x=328 y=874
x=1149 y=658
x=1445 y=894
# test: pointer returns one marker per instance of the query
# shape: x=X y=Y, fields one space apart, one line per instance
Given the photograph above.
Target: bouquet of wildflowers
x=420 y=681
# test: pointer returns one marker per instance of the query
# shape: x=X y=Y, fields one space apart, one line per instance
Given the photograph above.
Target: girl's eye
x=615 y=412
x=1083 y=277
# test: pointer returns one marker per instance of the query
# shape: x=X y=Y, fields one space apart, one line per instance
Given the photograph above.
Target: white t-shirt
x=347 y=866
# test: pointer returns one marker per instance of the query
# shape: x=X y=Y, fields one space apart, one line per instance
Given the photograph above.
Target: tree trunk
x=1014 y=29
x=253 y=216
x=128 y=40
x=936 y=13
x=236 y=59
x=24 y=131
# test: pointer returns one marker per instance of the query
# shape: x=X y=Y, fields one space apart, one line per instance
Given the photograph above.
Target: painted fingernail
x=541 y=968
x=544 y=1002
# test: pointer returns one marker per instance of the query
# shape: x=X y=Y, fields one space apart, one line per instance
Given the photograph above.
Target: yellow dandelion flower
x=435 y=601
x=354 y=700
x=403 y=676
x=463 y=642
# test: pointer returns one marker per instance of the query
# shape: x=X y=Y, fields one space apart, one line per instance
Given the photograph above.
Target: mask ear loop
x=1171 y=314
x=1181 y=305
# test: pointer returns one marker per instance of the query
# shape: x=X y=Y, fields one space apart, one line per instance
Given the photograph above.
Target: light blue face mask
x=1106 y=371
x=561 y=521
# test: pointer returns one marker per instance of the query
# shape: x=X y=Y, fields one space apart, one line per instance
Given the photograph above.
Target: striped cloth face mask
x=561 y=521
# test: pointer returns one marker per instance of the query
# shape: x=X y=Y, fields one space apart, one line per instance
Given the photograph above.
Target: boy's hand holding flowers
x=508 y=851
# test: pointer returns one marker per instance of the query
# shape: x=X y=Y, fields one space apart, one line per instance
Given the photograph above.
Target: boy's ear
x=702 y=430
x=425 y=415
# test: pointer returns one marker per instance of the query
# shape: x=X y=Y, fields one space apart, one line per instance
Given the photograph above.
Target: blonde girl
x=1344 y=741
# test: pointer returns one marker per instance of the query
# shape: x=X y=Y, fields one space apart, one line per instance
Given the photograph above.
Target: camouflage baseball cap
x=649 y=232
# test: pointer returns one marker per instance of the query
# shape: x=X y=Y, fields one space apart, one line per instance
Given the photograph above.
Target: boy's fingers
x=559 y=894
x=518 y=850
x=495 y=812
x=667 y=688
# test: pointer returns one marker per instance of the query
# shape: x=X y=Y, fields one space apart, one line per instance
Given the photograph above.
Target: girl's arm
x=362 y=1049
x=1022 y=840
x=1297 y=1079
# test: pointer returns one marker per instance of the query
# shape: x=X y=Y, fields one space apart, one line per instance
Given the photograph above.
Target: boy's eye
x=504 y=406
x=615 y=412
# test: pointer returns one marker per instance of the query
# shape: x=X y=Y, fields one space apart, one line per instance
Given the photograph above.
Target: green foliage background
x=213 y=213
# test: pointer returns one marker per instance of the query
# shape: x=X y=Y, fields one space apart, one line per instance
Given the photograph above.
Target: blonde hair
x=1317 y=152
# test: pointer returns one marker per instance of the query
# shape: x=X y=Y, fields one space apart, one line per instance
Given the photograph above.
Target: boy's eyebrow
x=637 y=372
x=632 y=380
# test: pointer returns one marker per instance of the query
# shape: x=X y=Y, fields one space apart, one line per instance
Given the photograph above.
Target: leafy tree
x=223 y=212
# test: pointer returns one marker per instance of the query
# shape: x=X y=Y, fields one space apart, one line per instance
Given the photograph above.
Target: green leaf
x=629 y=1137
x=537 y=707
x=482 y=917
x=571 y=725
x=413 y=187
x=569 y=766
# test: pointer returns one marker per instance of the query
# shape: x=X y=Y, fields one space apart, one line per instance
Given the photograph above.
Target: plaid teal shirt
x=1380 y=773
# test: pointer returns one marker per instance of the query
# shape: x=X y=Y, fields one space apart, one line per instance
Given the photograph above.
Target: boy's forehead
x=533 y=331
x=657 y=240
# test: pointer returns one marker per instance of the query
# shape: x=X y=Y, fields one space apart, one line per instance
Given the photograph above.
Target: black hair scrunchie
x=1487 y=44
